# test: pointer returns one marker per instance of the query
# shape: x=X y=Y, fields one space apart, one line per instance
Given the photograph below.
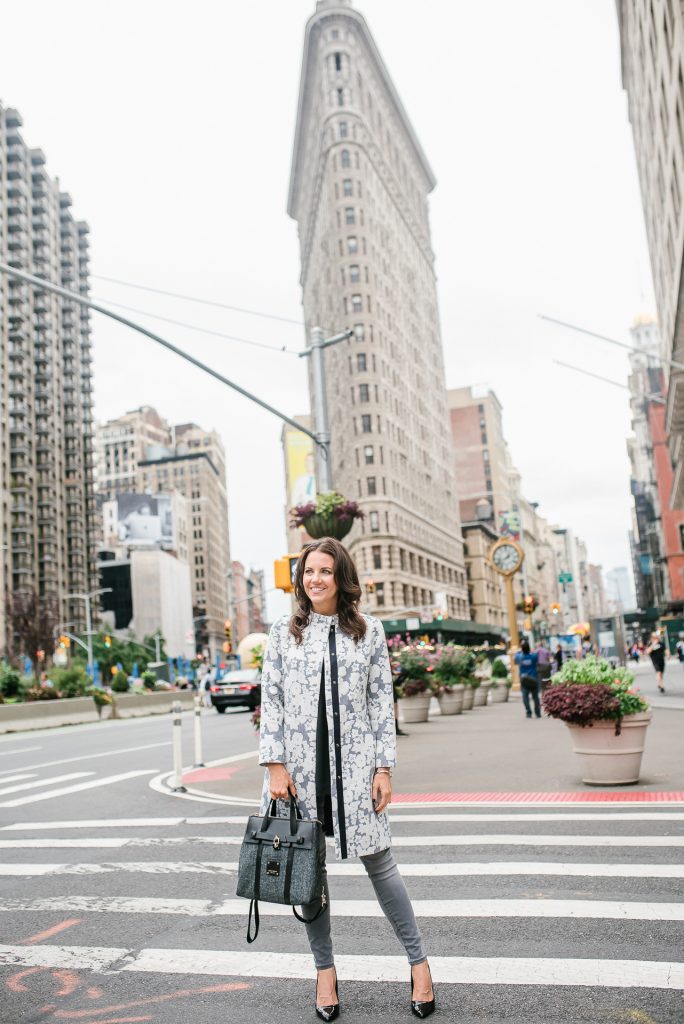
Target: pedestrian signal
x=555 y=609
x=285 y=571
x=108 y=642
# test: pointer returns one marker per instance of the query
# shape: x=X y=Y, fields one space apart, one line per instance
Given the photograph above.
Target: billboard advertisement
x=144 y=519
x=509 y=524
x=300 y=468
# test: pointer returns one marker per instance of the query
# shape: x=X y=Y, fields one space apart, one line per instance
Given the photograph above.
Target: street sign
x=565 y=577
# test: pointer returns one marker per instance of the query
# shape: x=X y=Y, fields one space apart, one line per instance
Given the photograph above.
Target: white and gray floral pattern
x=290 y=687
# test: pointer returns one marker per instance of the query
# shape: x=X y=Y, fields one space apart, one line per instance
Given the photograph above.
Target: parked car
x=240 y=688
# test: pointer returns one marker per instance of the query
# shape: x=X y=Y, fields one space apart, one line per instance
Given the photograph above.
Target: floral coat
x=360 y=714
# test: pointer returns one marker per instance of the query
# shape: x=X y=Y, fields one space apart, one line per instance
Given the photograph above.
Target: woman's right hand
x=280 y=782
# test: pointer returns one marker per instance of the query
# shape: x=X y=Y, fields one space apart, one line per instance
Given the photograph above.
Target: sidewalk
x=490 y=751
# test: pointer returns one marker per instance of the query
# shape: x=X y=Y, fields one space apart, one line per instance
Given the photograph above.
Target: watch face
x=506 y=558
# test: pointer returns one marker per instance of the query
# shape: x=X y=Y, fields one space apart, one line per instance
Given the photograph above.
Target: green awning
x=459 y=631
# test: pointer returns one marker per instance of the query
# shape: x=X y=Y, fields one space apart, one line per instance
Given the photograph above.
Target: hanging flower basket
x=330 y=515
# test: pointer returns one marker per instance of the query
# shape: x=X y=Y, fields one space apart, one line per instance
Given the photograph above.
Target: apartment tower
x=358 y=191
x=652 y=49
x=47 y=508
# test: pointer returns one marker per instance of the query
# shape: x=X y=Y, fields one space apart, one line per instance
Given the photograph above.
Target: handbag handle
x=295 y=815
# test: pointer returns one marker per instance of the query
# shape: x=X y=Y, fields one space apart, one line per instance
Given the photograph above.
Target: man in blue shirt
x=527 y=663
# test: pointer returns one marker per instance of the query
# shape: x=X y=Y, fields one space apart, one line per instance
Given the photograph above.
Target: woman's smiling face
x=319 y=582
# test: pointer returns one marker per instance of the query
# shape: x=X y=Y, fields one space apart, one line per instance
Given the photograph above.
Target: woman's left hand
x=381 y=791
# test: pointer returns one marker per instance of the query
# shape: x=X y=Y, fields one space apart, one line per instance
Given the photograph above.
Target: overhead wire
x=200 y=301
x=201 y=330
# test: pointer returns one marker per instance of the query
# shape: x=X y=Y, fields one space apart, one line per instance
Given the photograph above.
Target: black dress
x=323 y=797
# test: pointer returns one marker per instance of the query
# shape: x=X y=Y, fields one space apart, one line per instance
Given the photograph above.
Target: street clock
x=506 y=556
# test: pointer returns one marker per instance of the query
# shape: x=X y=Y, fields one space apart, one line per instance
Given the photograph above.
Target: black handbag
x=281 y=862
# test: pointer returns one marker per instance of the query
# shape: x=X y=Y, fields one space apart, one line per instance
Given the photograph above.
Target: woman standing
x=327 y=737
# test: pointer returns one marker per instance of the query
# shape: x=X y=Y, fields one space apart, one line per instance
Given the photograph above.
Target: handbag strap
x=253 y=905
x=295 y=815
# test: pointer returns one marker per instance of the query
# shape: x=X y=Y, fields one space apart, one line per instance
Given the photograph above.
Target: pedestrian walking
x=679 y=647
x=656 y=652
x=527 y=662
x=558 y=657
x=543 y=663
x=328 y=738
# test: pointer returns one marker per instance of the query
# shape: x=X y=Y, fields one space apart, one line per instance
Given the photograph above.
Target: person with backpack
x=528 y=667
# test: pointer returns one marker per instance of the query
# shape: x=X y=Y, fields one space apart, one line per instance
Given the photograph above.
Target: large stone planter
x=498 y=694
x=451 y=701
x=415 y=709
x=468 y=695
x=480 y=694
x=607 y=759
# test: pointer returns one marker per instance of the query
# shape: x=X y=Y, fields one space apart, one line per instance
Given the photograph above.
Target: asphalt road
x=117 y=901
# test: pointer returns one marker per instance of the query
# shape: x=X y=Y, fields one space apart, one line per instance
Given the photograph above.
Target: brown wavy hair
x=348 y=590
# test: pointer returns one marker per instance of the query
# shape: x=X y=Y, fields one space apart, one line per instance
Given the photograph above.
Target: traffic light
x=555 y=609
x=284 y=571
x=370 y=586
x=228 y=633
x=64 y=642
x=108 y=642
x=529 y=604
x=227 y=647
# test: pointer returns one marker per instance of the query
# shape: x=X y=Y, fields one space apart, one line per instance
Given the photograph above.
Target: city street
x=117 y=900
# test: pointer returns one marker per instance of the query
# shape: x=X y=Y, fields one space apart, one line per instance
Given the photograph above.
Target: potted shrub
x=10 y=682
x=148 y=679
x=606 y=718
x=450 y=671
x=500 y=683
x=414 y=683
x=101 y=697
x=330 y=515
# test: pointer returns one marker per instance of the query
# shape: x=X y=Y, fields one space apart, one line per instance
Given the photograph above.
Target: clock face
x=506 y=558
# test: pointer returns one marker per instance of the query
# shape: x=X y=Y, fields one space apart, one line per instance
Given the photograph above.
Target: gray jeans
x=392 y=897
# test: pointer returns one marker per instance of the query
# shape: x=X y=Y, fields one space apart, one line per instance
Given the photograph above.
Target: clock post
x=506 y=556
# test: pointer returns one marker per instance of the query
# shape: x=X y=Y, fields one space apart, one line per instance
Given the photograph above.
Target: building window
x=380 y=595
x=354 y=273
x=361 y=362
x=360 y=332
x=364 y=393
x=345 y=158
x=347 y=187
x=368 y=455
x=344 y=130
x=372 y=486
x=349 y=215
x=681 y=535
x=377 y=556
x=374 y=520
x=337 y=57
x=352 y=244
x=340 y=97
x=357 y=304
x=366 y=424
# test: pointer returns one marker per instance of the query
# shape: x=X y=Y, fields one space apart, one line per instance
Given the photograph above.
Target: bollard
x=199 y=763
x=177 y=776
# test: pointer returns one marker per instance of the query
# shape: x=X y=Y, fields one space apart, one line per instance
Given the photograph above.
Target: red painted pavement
x=220 y=773
x=590 y=797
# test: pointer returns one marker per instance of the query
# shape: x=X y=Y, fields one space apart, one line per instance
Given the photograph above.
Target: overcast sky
x=171 y=125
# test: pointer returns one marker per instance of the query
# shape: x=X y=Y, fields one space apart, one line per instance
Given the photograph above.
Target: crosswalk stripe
x=109 y=842
x=42 y=782
x=438 y=908
x=455 y=818
x=424 y=870
x=528 y=971
x=93 y=784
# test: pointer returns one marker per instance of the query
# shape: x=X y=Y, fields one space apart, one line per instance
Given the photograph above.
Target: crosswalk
x=589 y=899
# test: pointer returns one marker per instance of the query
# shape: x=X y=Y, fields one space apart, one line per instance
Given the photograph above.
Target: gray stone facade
x=358 y=191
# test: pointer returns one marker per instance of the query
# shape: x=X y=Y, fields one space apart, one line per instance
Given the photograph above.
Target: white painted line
x=89 y=757
x=411 y=841
x=17 y=778
x=612 y=910
x=413 y=804
x=457 y=816
x=35 y=826
x=538 y=840
x=439 y=870
x=24 y=750
x=42 y=782
x=527 y=971
x=93 y=784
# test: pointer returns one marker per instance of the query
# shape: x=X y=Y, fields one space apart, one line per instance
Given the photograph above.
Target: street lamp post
x=320 y=403
x=89 y=630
